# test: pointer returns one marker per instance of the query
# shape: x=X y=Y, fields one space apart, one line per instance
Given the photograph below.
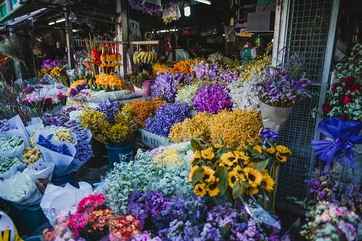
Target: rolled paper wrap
x=341 y=137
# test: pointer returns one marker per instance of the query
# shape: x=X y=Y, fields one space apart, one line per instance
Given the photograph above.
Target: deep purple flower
x=164 y=86
x=166 y=116
x=268 y=134
x=212 y=99
x=206 y=71
x=50 y=63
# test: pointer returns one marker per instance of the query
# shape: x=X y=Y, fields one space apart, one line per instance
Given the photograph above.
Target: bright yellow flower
x=192 y=172
x=234 y=176
x=242 y=157
x=268 y=182
x=253 y=176
x=208 y=153
x=209 y=174
x=200 y=189
x=196 y=155
x=270 y=150
x=258 y=149
x=214 y=191
x=228 y=159
x=281 y=158
x=283 y=149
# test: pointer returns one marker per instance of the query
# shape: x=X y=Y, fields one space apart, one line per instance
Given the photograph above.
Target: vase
x=274 y=117
x=117 y=153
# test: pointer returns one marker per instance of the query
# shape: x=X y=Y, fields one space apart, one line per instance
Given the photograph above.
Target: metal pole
x=122 y=33
x=68 y=37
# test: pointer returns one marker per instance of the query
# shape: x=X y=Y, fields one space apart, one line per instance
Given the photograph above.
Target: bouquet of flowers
x=328 y=221
x=166 y=116
x=244 y=94
x=212 y=99
x=109 y=82
x=279 y=89
x=218 y=172
x=344 y=100
x=206 y=71
x=165 y=86
x=351 y=66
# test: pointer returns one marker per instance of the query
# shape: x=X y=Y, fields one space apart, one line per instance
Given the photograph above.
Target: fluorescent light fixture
x=60 y=20
x=187 y=11
x=167 y=30
x=51 y=23
x=75 y=30
x=204 y=1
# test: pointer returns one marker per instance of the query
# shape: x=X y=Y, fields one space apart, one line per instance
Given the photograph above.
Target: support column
x=122 y=33
x=68 y=38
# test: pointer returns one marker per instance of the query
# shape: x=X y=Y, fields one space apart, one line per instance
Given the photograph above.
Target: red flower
x=348 y=81
x=327 y=108
x=355 y=87
x=346 y=100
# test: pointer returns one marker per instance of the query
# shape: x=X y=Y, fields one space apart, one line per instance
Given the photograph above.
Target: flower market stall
x=137 y=137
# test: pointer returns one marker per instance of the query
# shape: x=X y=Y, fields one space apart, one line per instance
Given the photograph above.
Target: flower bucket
x=274 y=117
x=147 y=87
x=116 y=153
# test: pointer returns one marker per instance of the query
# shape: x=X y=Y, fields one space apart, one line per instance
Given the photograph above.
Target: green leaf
x=198 y=176
x=195 y=144
x=222 y=174
x=262 y=165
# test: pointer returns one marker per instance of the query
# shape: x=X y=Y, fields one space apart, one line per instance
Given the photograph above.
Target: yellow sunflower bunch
x=235 y=129
x=213 y=174
x=191 y=128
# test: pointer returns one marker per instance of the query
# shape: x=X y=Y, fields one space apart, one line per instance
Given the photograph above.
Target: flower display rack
x=151 y=140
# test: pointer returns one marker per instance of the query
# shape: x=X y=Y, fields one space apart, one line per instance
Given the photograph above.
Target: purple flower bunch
x=166 y=116
x=212 y=98
x=46 y=142
x=228 y=76
x=110 y=109
x=184 y=219
x=206 y=71
x=165 y=86
x=50 y=63
x=279 y=89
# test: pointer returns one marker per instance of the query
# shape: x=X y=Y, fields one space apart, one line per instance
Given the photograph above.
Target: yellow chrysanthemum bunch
x=109 y=81
x=248 y=171
x=235 y=128
x=194 y=128
x=96 y=122
x=31 y=155
x=65 y=135
x=142 y=109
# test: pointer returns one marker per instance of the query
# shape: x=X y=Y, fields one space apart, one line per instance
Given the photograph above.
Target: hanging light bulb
x=187 y=11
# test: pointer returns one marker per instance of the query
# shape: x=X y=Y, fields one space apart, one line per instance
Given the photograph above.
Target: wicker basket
x=151 y=140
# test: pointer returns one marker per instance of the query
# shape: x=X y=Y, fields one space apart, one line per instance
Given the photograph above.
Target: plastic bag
x=19 y=166
x=54 y=204
x=17 y=124
x=40 y=170
x=14 y=152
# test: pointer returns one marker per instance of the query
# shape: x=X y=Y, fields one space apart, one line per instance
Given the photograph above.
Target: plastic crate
x=151 y=140
x=3 y=10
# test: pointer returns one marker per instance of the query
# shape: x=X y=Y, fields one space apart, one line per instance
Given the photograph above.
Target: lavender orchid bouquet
x=166 y=117
x=279 y=89
x=212 y=99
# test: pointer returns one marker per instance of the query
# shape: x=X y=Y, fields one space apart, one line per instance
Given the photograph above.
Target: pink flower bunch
x=77 y=222
x=90 y=203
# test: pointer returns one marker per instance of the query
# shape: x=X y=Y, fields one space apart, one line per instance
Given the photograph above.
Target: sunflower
x=253 y=176
x=283 y=149
x=192 y=172
x=200 y=189
x=213 y=190
x=234 y=176
x=281 y=158
x=268 y=182
x=209 y=174
x=270 y=150
x=228 y=159
x=242 y=157
x=196 y=155
x=258 y=149
x=208 y=154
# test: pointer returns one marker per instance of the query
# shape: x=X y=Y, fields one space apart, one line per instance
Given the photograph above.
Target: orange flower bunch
x=184 y=66
x=98 y=220
x=142 y=109
x=161 y=69
x=110 y=81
